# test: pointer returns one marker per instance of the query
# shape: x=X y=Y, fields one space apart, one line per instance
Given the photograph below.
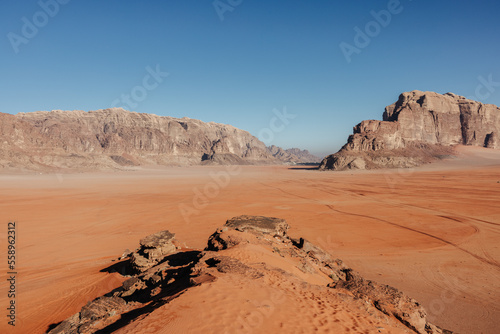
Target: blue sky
x=242 y=63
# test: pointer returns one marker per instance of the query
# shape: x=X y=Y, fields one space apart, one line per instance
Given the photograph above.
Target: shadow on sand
x=176 y=281
x=311 y=167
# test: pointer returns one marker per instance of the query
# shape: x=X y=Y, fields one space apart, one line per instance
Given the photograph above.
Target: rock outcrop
x=249 y=249
x=418 y=128
x=119 y=139
x=153 y=249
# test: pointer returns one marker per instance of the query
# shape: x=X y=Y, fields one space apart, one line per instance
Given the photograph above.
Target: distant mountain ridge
x=419 y=127
x=293 y=155
x=115 y=138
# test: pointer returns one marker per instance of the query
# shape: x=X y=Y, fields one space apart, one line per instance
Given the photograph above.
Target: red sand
x=433 y=232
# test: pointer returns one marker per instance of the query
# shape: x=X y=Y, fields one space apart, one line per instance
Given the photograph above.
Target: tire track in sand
x=478 y=257
x=439 y=213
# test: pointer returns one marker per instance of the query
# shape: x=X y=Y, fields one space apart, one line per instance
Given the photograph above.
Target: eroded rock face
x=18 y=137
x=116 y=138
x=254 y=224
x=259 y=224
x=231 y=250
x=418 y=127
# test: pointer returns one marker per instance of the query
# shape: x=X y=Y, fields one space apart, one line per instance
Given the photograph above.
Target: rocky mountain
x=293 y=155
x=251 y=277
x=116 y=138
x=419 y=127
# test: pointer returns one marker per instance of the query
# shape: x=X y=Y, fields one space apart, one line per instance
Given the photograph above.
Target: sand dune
x=432 y=232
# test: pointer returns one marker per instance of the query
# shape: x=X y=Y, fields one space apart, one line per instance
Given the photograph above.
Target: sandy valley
x=432 y=232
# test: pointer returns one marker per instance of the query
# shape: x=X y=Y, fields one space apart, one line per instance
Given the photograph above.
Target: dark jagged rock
x=93 y=316
x=259 y=224
x=153 y=249
x=255 y=224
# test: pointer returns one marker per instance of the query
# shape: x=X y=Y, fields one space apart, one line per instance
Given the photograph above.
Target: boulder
x=259 y=224
x=153 y=249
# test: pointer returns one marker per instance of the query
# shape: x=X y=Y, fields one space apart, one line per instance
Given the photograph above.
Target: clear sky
x=242 y=62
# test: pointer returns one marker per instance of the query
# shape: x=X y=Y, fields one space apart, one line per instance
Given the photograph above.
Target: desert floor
x=433 y=231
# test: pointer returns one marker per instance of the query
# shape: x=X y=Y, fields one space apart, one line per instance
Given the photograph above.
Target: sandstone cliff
x=116 y=138
x=419 y=127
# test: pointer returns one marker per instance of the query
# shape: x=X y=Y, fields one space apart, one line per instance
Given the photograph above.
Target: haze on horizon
x=330 y=64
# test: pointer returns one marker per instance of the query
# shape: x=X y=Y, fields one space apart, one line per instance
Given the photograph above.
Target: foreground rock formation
x=116 y=138
x=248 y=256
x=419 y=127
